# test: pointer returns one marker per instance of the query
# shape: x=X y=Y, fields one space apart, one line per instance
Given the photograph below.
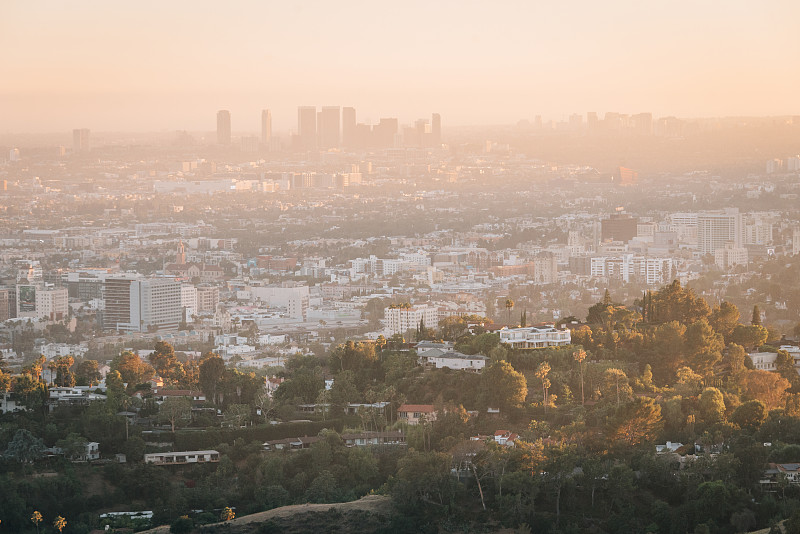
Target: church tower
x=180 y=258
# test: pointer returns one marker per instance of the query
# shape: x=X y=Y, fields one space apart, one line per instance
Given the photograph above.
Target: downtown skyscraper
x=223 y=127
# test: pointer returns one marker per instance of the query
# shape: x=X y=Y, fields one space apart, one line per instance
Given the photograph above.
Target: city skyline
x=133 y=69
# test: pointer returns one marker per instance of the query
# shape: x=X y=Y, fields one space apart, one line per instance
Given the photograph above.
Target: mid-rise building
x=188 y=301
x=715 y=229
x=619 y=227
x=7 y=298
x=404 y=317
x=729 y=256
x=52 y=303
x=207 y=298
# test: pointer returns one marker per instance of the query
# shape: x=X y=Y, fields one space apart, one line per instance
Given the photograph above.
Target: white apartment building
x=188 y=300
x=294 y=299
x=155 y=304
x=534 y=337
x=715 y=229
x=402 y=318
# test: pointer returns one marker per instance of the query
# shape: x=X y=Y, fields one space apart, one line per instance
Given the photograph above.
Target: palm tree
x=36 y=518
x=579 y=356
x=541 y=374
x=509 y=307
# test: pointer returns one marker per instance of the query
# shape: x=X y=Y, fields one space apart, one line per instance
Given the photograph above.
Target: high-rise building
x=715 y=229
x=142 y=305
x=80 y=140
x=328 y=127
x=436 y=129
x=384 y=133
x=266 y=127
x=307 y=127
x=223 y=127
x=349 y=127
x=117 y=299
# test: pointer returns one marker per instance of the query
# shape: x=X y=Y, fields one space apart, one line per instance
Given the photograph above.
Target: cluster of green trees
x=586 y=416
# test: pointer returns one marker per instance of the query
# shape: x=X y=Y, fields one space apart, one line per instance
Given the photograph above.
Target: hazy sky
x=168 y=65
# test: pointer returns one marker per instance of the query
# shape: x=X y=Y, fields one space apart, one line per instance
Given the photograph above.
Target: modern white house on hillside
x=534 y=337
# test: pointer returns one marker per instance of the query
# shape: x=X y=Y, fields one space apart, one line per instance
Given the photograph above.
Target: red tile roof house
x=506 y=438
x=413 y=414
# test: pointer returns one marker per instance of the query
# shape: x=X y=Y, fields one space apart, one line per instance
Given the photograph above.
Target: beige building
x=414 y=414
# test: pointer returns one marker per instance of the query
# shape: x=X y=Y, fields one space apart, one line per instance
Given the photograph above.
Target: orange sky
x=154 y=65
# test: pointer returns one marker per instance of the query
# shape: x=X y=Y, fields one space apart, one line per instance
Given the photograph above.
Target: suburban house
x=764 y=361
x=183 y=457
x=9 y=405
x=451 y=359
x=92 y=452
x=413 y=414
x=292 y=444
x=791 y=472
x=505 y=438
x=534 y=337
x=668 y=447
x=360 y=439
x=71 y=396
x=363 y=439
x=162 y=394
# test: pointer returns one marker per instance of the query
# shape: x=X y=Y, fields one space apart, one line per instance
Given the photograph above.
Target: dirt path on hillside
x=369 y=503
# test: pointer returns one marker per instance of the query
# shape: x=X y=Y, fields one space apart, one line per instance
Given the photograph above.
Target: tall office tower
x=423 y=128
x=384 y=132
x=266 y=127
x=117 y=300
x=80 y=140
x=436 y=129
x=223 y=127
x=328 y=127
x=349 y=127
x=307 y=127
x=715 y=229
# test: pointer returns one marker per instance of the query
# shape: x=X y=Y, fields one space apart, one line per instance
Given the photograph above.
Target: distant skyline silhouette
x=150 y=66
